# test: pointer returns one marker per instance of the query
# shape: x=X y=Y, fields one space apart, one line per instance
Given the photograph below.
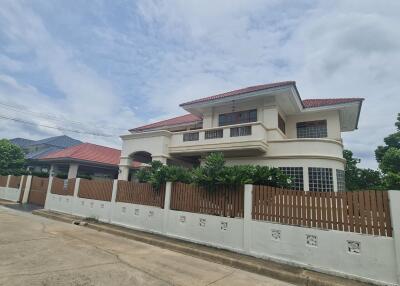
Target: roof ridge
x=102 y=146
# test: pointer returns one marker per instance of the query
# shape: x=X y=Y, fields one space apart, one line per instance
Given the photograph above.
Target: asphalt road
x=38 y=251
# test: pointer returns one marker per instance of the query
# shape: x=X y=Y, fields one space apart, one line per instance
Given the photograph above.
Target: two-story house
x=264 y=125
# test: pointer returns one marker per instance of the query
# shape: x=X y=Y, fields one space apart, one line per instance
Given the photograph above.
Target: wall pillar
x=27 y=189
x=247 y=218
x=123 y=173
x=8 y=181
x=306 y=181
x=113 y=200
x=73 y=170
x=47 y=201
x=167 y=204
x=394 y=201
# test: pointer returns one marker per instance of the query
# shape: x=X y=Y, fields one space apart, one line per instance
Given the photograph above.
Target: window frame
x=237 y=117
x=298 y=182
x=320 y=179
x=281 y=123
x=312 y=129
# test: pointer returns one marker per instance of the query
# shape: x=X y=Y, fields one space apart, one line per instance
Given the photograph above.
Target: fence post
x=394 y=201
x=167 y=203
x=46 y=202
x=27 y=189
x=248 y=205
x=8 y=181
x=113 y=200
x=21 y=187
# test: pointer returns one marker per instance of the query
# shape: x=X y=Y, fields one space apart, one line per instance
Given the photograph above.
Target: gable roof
x=311 y=103
x=241 y=91
x=184 y=119
x=62 y=141
x=21 y=142
x=90 y=153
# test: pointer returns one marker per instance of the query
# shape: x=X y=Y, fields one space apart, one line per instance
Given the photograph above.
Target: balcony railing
x=213 y=134
x=192 y=136
x=241 y=131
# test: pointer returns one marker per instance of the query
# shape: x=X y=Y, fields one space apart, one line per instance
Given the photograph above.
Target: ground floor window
x=341 y=182
x=320 y=179
x=296 y=174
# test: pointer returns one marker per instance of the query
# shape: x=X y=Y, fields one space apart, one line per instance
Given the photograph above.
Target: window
x=312 y=129
x=240 y=131
x=192 y=136
x=238 y=117
x=296 y=174
x=320 y=179
x=281 y=124
x=212 y=134
x=341 y=180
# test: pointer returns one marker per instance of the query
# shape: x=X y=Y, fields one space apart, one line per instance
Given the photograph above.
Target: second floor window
x=312 y=129
x=238 y=117
x=281 y=124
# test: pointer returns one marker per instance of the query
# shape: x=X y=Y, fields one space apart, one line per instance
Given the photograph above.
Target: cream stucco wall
x=332 y=118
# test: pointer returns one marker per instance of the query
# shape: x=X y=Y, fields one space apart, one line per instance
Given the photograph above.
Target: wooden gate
x=37 y=194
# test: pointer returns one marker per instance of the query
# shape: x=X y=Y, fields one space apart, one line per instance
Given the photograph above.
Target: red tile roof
x=188 y=118
x=90 y=153
x=310 y=103
x=241 y=91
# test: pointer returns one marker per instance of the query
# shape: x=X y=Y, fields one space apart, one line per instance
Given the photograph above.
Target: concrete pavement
x=38 y=251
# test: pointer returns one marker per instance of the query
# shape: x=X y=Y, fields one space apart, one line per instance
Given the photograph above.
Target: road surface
x=37 y=251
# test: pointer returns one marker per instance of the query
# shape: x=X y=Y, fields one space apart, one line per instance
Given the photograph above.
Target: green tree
x=358 y=178
x=388 y=157
x=12 y=158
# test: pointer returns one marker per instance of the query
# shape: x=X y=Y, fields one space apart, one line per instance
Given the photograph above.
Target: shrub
x=213 y=173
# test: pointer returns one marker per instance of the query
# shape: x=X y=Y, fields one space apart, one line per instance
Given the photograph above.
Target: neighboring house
x=37 y=149
x=265 y=125
x=87 y=160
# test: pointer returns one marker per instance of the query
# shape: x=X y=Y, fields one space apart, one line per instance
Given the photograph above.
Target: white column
x=113 y=200
x=73 y=170
x=21 y=187
x=27 y=189
x=8 y=181
x=75 y=199
x=335 y=182
x=306 y=181
x=123 y=173
x=167 y=204
x=394 y=202
x=48 y=193
x=247 y=218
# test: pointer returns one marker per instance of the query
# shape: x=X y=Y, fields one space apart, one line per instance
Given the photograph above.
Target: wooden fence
x=15 y=182
x=37 y=194
x=63 y=187
x=140 y=193
x=3 y=181
x=223 y=201
x=361 y=212
x=100 y=190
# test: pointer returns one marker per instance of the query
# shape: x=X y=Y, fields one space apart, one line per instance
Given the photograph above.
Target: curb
x=283 y=272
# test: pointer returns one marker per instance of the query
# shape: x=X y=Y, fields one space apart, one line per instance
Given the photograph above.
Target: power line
x=55 y=127
x=46 y=115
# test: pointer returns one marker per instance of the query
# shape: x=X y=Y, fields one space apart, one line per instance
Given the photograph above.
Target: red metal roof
x=90 y=153
x=241 y=91
x=188 y=118
x=310 y=103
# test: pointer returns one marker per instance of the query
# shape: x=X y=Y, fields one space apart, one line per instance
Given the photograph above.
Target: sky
x=103 y=67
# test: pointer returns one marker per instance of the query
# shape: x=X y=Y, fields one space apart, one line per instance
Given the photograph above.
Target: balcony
x=249 y=138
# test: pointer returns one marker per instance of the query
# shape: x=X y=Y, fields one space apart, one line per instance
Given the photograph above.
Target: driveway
x=38 y=251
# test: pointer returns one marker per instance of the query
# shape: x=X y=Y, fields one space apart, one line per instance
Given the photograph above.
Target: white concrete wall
x=140 y=217
x=375 y=262
x=59 y=203
x=10 y=194
x=211 y=230
x=364 y=257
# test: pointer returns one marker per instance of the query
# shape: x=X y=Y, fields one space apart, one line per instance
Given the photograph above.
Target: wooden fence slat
x=361 y=201
x=386 y=210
